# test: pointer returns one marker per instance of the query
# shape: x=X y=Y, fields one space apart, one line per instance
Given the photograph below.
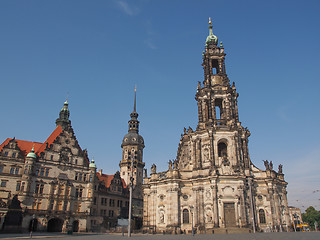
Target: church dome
x=132 y=138
x=92 y=164
x=31 y=154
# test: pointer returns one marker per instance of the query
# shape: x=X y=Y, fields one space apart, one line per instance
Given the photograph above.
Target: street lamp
x=32 y=224
x=131 y=189
x=191 y=211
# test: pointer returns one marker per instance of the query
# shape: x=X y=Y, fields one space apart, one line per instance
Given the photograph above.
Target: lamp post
x=252 y=208
x=32 y=224
x=131 y=189
x=191 y=211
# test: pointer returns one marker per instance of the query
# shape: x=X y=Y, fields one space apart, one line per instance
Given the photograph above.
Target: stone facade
x=213 y=182
x=56 y=188
x=52 y=180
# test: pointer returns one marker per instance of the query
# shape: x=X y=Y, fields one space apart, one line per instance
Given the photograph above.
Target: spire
x=211 y=38
x=134 y=115
x=63 y=119
x=134 y=123
x=135 y=99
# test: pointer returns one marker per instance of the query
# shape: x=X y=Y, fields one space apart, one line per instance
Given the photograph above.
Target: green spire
x=64 y=114
x=211 y=38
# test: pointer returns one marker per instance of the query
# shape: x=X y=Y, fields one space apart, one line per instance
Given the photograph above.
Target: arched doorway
x=55 y=225
x=33 y=225
x=75 y=226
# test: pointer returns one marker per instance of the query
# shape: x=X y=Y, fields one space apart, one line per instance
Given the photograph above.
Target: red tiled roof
x=25 y=146
x=108 y=178
x=50 y=139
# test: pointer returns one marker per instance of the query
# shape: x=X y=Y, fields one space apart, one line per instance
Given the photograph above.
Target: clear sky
x=94 y=52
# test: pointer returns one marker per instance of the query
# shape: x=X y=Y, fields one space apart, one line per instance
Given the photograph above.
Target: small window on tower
x=222 y=149
x=218 y=108
x=215 y=66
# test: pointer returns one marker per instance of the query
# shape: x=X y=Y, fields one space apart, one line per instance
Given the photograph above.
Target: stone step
x=231 y=230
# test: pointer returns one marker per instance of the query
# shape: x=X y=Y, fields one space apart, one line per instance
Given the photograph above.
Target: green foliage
x=310 y=216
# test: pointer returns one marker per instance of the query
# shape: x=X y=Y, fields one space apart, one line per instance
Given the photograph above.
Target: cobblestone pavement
x=243 y=236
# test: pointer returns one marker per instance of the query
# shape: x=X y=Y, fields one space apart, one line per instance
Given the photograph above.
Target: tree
x=311 y=216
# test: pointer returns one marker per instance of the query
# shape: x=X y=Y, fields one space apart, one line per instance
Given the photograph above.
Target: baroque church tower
x=213 y=182
x=220 y=142
x=132 y=150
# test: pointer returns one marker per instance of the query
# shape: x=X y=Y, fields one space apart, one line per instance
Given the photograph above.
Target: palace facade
x=213 y=183
x=52 y=186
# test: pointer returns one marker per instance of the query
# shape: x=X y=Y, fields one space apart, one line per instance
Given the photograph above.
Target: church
x=213 y=184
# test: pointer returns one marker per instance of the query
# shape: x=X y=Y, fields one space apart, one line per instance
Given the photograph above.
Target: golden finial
x=209 y=20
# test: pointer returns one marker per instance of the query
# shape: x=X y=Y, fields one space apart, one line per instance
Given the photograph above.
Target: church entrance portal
x=75 y=226
x=55 y=225
x=229 y=215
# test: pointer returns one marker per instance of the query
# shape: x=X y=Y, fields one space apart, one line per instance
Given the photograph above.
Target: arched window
x=218 y=108
x=185 y=217
x=262 y=216
x=222 y=149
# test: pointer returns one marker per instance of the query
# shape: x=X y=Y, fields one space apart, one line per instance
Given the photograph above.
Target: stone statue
x=271 y=165
x=145 y=173
x=280 y=169
x=153 y=168
x=170 y=164
x=184 y=130
x=175 y=164
x=161 y=217
x=266 y=164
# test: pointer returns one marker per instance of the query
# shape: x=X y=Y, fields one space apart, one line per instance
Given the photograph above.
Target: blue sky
x=94 y=52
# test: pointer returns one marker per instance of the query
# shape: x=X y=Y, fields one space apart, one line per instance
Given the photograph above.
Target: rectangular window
x=36 y=190
x=76 y=177
x=3 y=183
x=6 y=154
x=39 y=188
x=41 y=171
x=78 y=192
x=1 y=169
x=16 y=171
x=80 y=176
x=22 y=187
x=12 y=170
x=37 y=171
x=111 y=213
x=14 y=155
x=47 y=172
x=18 y=186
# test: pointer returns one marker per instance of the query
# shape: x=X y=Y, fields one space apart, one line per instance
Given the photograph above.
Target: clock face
x=134 y=139
x=126 y=139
